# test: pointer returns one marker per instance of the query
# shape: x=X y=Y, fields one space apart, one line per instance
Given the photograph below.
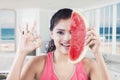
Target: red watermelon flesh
x=78 y=33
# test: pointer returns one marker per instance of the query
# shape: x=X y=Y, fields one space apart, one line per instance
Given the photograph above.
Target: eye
x=60 y=32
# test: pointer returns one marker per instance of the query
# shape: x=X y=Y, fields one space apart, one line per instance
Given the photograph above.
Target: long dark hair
x=60 y=14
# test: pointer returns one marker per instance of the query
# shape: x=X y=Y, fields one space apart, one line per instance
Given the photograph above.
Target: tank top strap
x=80 y=73
x=48 y=72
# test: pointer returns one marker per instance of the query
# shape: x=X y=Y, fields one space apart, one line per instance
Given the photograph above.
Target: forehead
x=64 y=24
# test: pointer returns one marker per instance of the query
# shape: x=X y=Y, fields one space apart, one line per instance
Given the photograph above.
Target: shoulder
x=89 y=64
x=37 y=61
x=33 y=66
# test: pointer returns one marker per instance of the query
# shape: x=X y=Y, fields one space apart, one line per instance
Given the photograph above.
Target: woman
x=55 y=65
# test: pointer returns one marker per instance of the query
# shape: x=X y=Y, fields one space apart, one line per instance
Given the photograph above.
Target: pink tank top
x=49 y=73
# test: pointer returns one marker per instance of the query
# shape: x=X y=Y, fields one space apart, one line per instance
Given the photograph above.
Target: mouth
x=67 y=45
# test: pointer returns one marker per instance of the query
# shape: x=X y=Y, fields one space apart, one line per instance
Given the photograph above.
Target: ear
x=51 y=34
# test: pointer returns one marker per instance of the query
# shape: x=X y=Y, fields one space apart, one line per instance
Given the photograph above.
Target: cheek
x=56 y=37
x=57 y=41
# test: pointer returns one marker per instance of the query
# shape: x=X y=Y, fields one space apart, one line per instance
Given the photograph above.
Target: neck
x=59 y=57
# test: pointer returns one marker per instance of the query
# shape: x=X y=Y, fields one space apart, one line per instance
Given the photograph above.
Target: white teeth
x=66 y=45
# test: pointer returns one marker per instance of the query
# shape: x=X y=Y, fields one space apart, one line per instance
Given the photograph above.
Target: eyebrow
x=60 y=29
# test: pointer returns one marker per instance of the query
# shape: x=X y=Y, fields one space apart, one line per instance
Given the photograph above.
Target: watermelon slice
x=78 y=33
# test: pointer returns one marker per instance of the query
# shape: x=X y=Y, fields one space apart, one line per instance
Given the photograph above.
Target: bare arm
x=99 y=67
x=26 y=45
x=33 y=69
x=16 y=68
x=105 y=75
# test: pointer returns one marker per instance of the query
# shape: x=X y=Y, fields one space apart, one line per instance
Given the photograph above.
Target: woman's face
x=61 y=35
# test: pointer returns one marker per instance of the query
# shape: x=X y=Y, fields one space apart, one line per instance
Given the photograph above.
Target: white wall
x=45 y=16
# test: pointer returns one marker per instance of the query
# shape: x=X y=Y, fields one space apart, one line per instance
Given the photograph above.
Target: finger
x=35 y=38
x=33 y=28
x=90 y=28
x=91 y=32
x=26 y=28
x=90 y=38
x=39 y=42
x=94 y=31
x=92 y=42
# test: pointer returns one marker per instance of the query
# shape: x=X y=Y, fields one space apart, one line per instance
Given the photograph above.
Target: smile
x=65 y=45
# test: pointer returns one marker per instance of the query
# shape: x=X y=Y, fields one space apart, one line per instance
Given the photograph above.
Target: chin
x=65 y=51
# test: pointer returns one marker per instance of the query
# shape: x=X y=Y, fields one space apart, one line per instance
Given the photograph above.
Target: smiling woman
x=55 y=65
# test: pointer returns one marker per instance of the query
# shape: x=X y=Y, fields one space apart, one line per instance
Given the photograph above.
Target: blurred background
x=103 y=15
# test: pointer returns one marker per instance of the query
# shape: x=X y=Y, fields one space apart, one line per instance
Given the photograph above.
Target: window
x=7 y=30
x=108 y=25
x=105 y=29
x=118 y=30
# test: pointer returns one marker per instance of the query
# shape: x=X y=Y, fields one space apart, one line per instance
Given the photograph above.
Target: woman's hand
x=27 y=41
x=93 y=40
x=99 y=67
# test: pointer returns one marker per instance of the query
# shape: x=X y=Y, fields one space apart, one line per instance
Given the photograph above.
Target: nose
x=67 y=37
